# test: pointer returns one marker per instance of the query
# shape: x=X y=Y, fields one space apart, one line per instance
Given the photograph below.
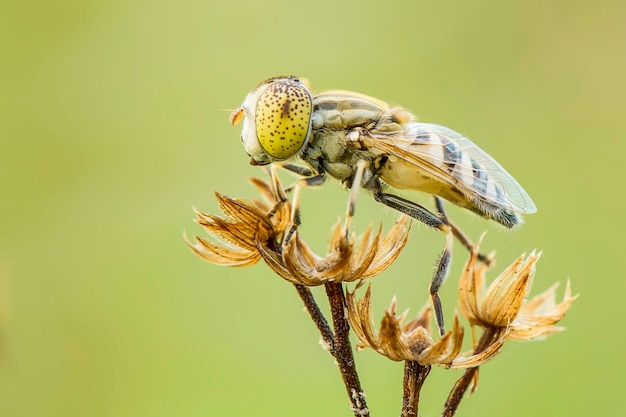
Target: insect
x=366 y=143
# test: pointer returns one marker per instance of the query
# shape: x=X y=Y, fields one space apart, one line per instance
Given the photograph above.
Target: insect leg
x=425 y=216
x=316 y=180
x=295 y=214
x=298 y=169
x=354 y=192
x=279 y=192
x=277 y=187
x=441 y=271
x=310 y=180
x=458 y=233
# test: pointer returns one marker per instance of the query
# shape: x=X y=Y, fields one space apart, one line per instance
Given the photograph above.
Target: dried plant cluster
x=249 y=231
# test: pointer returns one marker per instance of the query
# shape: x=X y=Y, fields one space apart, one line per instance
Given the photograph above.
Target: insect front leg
x=295 y=215
x=295 y=188
x=277 y=189
x=279 y=192
x=311 y=178
x=430 y=219
x=458 y=233
x=298 y=169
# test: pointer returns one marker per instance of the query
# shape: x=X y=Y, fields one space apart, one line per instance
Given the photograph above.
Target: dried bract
x=412 y=341
x=244 y=227
x=347 y=260
x=504 y=303
x=250 y=231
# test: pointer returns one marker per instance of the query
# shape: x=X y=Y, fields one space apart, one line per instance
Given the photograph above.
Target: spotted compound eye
x=283 y=115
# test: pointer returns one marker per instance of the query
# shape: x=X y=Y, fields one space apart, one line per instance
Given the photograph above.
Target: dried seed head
x=538 y=316
x=412 y=341
x=255 y=230
x=504 y=303
x=244 y=226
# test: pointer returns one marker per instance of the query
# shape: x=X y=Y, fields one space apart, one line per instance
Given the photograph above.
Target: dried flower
x=502 y=311
x=412 y=341
x=504 y=303
x=264 y=229
x=251 y=231
x=245 y=226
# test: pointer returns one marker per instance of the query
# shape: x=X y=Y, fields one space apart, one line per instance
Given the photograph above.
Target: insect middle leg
x=430 y=219
x=354 y=192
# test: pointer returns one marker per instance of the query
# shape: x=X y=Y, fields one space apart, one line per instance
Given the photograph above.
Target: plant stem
x=316 y=315
x=342 y=350
x=462 y=384
x=456 y=395
x=414 y=377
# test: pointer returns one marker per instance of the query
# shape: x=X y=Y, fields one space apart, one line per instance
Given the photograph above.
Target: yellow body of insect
x=333 y=130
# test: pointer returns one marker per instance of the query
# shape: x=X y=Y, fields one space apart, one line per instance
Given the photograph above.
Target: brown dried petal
x=345 y=261
x=361 y=318
x=391 y=339
x=504 y=304
x=506 y=295
x=446 y=348
x=390 y=248
x=303 y=265
x=337 y=262
x=538 y=317
x=409 y=342
x=471 y=284
x=422 y=320
x=223 y=254
x=249 y=231
x=471 y=360
x=266 y=192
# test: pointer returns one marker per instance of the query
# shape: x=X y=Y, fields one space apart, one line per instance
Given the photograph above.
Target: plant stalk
x=414 y=377
x=342 y=350
x=317 y=316
x=462 y=384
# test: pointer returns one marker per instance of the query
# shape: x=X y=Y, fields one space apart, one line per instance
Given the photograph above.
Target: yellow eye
x=282 y=117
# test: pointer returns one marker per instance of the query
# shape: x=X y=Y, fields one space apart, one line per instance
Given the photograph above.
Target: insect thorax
x=330 y=151
x=334 y=146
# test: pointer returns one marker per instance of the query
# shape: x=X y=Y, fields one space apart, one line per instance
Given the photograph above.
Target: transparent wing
x=452 y=159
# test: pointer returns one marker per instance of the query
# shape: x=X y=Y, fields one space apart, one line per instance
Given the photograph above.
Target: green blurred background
x=114 y=123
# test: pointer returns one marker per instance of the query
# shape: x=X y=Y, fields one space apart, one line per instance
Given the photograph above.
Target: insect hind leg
x=430 y=219
x=458 y=233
